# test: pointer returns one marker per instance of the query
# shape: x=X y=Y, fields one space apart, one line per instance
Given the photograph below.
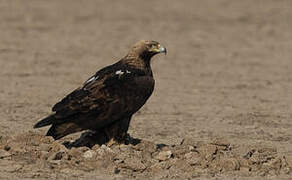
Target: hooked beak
x=162 y=49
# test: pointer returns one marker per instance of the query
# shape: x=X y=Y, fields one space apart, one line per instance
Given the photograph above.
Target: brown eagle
x=107 y=100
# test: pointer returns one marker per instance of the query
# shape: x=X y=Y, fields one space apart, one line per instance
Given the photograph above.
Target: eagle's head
x=147 y=49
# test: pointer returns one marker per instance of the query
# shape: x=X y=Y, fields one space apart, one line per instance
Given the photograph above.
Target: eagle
x=107 y=101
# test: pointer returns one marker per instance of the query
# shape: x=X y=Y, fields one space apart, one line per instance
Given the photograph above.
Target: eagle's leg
x=117 y=132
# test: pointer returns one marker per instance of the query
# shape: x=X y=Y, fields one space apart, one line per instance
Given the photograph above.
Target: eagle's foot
x=112 y=142
x=122 y=138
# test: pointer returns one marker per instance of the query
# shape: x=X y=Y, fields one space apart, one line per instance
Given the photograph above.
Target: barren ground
x=222 y=105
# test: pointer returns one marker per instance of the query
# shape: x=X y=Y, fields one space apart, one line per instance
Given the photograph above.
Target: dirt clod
x=132 y=160
x=163 y=155
x=4 y=154
x=89 y=154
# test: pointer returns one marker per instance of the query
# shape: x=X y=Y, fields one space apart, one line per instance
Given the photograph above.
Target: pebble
x=134 y=164
x=193 y=158
x=103 y=149
x=89 y=154
x=57 y=155
x=4 y=154
x=163 y=155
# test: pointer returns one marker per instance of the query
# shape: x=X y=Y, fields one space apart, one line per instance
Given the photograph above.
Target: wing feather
x=106 y=95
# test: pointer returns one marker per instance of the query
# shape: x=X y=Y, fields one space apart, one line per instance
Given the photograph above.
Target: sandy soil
x=222 y=105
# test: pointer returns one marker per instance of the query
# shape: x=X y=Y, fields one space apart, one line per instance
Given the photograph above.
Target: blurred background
x=227 y=72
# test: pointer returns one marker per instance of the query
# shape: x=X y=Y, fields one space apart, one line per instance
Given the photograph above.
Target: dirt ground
x=222 y=104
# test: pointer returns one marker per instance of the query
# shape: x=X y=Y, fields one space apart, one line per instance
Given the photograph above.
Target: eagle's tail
x=55 y=133
x=45 y=122
x=58 y=131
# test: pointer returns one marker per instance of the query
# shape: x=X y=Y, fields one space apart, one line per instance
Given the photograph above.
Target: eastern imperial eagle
x=107 y=100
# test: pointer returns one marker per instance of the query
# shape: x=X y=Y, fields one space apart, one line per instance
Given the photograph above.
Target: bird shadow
x=91 y=138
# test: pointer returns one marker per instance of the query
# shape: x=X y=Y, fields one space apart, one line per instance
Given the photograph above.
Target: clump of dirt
x=37 y=155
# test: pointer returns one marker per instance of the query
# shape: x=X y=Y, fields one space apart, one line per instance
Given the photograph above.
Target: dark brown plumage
x=108 y=99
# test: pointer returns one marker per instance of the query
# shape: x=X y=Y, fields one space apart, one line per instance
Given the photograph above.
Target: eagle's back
x=114 y=92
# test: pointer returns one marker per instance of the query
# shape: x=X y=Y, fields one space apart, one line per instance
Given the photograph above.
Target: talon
x=111 y=142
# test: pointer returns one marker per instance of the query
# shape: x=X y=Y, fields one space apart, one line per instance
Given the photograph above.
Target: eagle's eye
x=153 y=46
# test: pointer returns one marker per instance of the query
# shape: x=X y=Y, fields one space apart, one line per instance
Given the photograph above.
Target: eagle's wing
x=111 y=93
x=80 y=100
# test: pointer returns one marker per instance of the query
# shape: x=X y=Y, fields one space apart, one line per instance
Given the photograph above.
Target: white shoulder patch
x=91 y=79
x=128 y=71
x=120 y=72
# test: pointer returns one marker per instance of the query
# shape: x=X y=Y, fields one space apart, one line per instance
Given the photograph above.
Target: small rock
x=193 y=158
x=208 y=151
x=163 y=147
x=133 y=164
x=221 y=144
x=56 y=146
x=35 y=175
x=55 y=162
x=7 y=148
x=118 y=161
x=4 y=154
x=159 y=166
x=89 y=154
x=74 y=153
x=57 y=155
x=163 y=155
x=230 y=164
x=117 y=171
x=191 y=148
x=145 y=146
x=95 y=147
x=104 y=149
x=47 y=139
x=245 y=169
x=125 y=148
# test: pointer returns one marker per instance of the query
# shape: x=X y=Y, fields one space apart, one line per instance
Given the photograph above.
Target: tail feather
x=45 y=122
x=53 y=131
x=58 y=131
